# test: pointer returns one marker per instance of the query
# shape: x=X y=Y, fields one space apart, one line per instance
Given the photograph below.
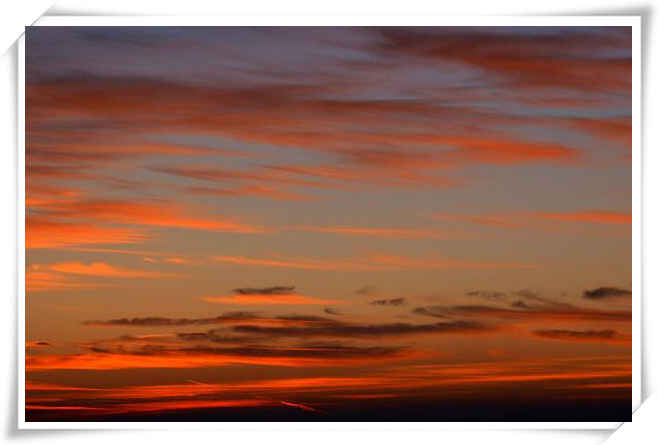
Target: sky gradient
x=328 y=223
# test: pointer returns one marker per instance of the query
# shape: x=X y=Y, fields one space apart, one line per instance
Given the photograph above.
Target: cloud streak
x=371 y=262
x=604 y=336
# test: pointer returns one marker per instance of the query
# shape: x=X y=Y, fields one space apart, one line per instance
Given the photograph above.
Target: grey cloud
x=274 y=290
x=486 y=294
x=360 y=330
x=429 y=311
x=369 y=291
x=602 y=293
x=389 y=302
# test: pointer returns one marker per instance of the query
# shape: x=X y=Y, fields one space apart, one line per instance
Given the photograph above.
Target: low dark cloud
x=228 y=317
x=274 y=290
x=429 y=311
x=309 y=350
x=389 y=302
x=305 y=319
x=549 y=312
x=486 y=294
x=37 y=344
x=602 y=293
x=215 y=336
x=525 y=293
x=336 y=351
x=567 y=334
x=519 y=304
x=368 y=291
x=332 y=311
x=361 y=330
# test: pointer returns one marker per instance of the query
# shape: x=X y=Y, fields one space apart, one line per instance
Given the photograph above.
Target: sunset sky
x=328 y=223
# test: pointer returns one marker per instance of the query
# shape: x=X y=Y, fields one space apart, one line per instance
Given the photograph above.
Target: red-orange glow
x=593 y=216
x=63 y=408
x=37 y=344
x=188 y=404
x=300 y=405
x=595 y=371
x=617 y=130
x=329 y=224
x=99 y=361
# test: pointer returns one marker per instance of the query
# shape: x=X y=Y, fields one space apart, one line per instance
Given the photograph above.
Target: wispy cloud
x=366 y=330
x=103 y=270
x=549 y=313
x=47 y=233
x=539 y=220
x=402 y=233
x=145 y=214
x=228 y=317
x=207 y=356
x=370 y=262
x=606 y=335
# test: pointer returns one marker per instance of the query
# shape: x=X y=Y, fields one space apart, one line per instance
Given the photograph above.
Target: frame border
x=633 y=21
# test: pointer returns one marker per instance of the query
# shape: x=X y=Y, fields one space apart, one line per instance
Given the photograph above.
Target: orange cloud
x=497 y=150
x=37 y=280
x=45 y=233
x=125 y=212
x=300 y=405
x=175 y=260
x=62 y=276
x=103 y=270
x=163 y=215
x=617 y=130
x=287 y=298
